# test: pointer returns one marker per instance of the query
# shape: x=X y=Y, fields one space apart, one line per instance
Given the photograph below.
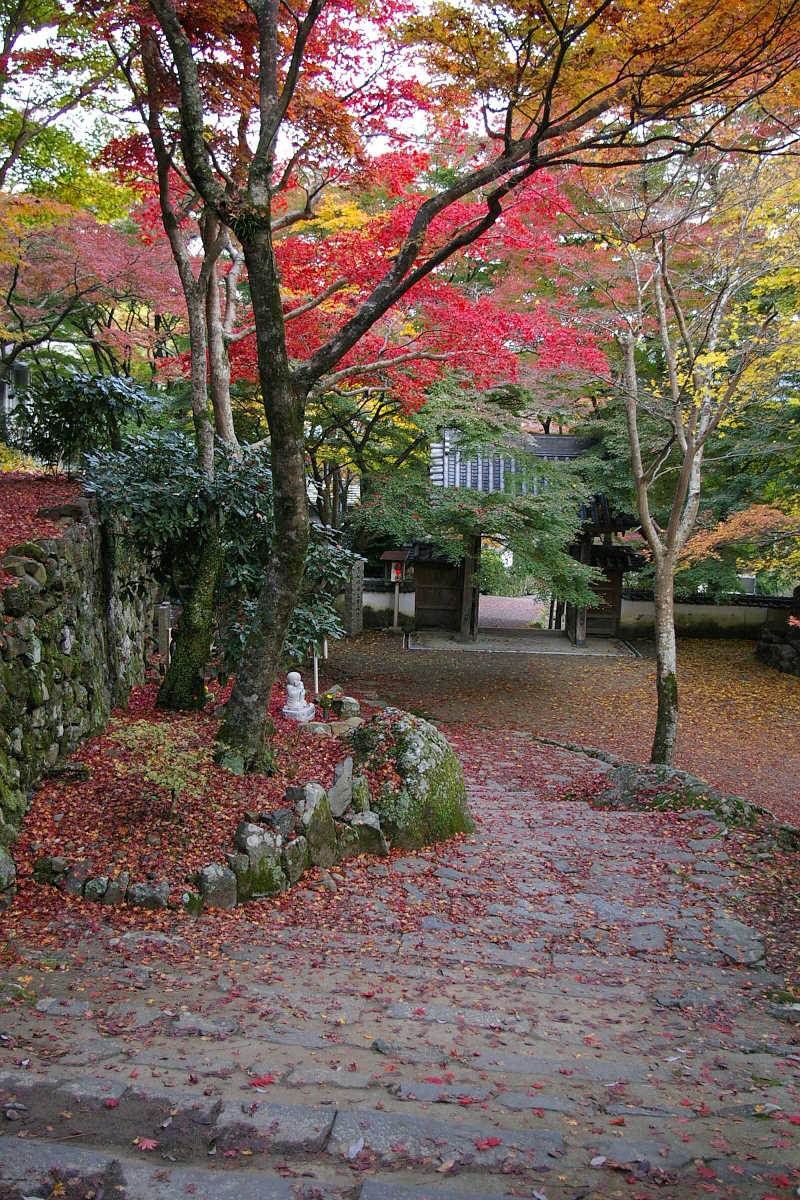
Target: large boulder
x=428 y=801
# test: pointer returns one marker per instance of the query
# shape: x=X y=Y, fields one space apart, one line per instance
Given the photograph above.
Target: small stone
x=329 y=883
x=321 y=833
x=240 y=865
x=347 y=837
x=304 y=799
x=347 y=706
x=262 y=846
x=116 y=890
x=245 y=830
x=319 y=728
x=76 y=878
x=361 y=797
x=340 y=795
x=295 y=858
x=282 y=821
x=148 y=895
x=217 y=886
x=193 y=903
x=95 y=889
x=371 y=840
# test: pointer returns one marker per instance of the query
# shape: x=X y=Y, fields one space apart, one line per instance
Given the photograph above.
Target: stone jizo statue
x=296 y=707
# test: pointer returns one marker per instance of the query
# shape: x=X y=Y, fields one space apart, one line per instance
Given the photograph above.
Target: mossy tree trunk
x=243 y=738
x=184 y=683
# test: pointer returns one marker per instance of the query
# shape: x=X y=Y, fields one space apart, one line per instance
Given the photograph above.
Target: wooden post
x=396 y=622
x=468 y=624
x=580 y=615
x=164 y=631
x=316 y=673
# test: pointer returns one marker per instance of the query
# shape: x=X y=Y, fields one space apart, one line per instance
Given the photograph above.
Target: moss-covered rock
x=662 y=788
x=295 y=858
x=429 y=804
x=8 y=872
x=347 y=837
x=267 y=879
x=240 y=865
x=311 y=805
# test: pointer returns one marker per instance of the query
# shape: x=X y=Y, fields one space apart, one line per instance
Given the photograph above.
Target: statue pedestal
x=301 y=713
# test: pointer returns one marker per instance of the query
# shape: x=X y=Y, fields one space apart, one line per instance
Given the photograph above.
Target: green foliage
x=59 y=420
x=537 y=528
x=496 y=579
x=54 y=165
x=159 y=755
x=155 y=485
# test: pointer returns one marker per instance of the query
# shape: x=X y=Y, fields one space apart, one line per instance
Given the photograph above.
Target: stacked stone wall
x=75 y=629
x=779 y=643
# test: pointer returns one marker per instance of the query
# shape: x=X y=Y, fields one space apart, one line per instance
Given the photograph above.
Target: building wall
x=379 y=604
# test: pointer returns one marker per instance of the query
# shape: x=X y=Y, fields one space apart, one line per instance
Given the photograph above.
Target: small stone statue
x=296 y=708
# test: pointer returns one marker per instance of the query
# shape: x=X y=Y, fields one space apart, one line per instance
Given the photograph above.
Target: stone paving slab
x=280 y=1128
x=393 y=1139
x=375 y=1190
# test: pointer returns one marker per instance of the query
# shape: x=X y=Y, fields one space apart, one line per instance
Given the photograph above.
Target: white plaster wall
x=384 y=601
x=725 y=620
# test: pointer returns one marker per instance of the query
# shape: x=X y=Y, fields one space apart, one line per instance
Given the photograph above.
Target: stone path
x=511 y=612
x=561 y=1006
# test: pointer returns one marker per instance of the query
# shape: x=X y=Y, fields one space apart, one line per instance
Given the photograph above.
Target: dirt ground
x=739 y=726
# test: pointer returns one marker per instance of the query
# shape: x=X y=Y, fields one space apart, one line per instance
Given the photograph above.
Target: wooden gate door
x=437 y=603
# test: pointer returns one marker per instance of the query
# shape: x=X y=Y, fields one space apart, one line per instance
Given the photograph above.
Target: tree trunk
x=219 y=367
x=666 y=733
x=184 y=682
x=242 y=741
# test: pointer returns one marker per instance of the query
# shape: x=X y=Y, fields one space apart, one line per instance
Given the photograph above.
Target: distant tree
x=66 y=277
x=685 y=257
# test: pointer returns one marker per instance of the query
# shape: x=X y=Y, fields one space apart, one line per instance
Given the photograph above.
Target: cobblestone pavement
x=561 y=1006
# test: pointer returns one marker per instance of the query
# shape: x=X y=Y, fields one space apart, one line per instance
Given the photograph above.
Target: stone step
x=186 y=1127
x=34 y=1167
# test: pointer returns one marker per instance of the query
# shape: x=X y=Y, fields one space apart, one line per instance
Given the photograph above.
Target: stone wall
x=75 y=628
x=779 y=642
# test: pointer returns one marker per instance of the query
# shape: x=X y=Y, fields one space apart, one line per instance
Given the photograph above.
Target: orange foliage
x=760 y=524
